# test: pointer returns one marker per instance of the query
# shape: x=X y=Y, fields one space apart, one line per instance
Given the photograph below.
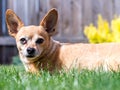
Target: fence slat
x=66 y=18
x=0 y=17
x=77 y=18
x=117 y=7
x=87 y=15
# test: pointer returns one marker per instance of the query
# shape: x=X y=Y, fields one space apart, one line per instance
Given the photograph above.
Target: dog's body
x=38 y=50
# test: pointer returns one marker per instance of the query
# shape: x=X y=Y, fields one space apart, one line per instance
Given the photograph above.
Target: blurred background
x=74 y=15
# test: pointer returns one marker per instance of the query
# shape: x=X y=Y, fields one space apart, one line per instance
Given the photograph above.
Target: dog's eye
x=39 y=41
x=23 y=41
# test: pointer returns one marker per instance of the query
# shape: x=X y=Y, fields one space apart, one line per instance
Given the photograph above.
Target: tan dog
x=38 y=50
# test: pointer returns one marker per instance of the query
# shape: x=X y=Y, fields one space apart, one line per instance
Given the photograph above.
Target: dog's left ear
x=49 y=21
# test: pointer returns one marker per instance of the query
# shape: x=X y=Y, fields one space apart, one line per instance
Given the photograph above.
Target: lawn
x=15 y=78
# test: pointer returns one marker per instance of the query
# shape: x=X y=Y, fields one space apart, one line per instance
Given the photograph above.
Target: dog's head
x=32 y=40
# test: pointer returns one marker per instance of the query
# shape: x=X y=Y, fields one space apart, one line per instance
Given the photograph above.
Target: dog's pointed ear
x=49 y=21
x=13 y=22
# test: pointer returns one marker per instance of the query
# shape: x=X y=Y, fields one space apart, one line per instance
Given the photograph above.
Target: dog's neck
x=51 y=50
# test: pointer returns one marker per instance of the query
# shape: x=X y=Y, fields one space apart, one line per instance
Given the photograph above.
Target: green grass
x=15 y=78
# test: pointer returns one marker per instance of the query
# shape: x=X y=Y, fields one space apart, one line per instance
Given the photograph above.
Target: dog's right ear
x=13 y=22
x=49 y=21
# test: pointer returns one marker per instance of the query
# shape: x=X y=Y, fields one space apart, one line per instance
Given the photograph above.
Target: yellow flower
x=103 y=32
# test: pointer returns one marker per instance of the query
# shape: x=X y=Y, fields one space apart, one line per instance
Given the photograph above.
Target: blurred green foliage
x=16 y=60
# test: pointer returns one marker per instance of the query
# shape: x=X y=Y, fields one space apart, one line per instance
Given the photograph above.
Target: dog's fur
x=38 y=50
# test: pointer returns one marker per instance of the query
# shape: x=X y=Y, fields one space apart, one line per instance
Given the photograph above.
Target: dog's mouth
x=30 y=56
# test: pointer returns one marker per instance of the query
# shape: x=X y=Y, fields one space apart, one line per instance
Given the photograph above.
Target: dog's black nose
x=30 y=51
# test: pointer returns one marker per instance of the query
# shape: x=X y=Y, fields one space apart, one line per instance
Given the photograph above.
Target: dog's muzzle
x=30 y=52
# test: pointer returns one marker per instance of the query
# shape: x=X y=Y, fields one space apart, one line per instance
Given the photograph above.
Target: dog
x=37 y=49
